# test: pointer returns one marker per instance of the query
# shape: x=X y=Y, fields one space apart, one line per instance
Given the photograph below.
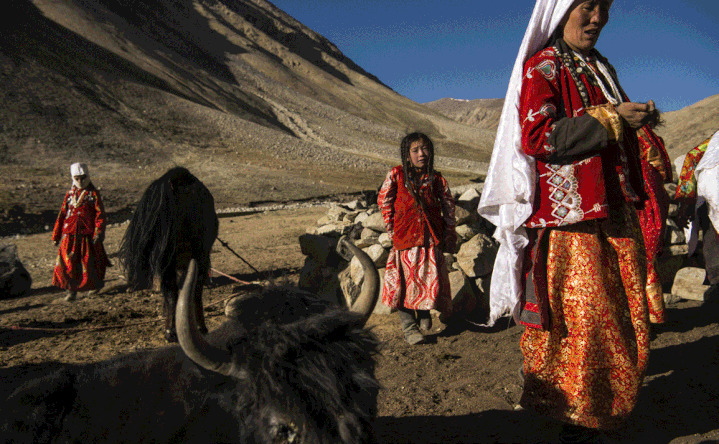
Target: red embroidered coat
x=407 y=223
x=579 y=181
x=86 y=219
x=80 y=230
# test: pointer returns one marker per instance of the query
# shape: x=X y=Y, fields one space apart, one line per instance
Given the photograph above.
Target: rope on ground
x=231 y=277
x=226 y=245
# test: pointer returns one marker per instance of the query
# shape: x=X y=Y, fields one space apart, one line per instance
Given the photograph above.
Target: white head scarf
x=509 y=189
x=79 y=169
x=707 y=173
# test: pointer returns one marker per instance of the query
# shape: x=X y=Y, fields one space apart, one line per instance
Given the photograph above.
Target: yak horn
x=191 y=340
x=367 y=299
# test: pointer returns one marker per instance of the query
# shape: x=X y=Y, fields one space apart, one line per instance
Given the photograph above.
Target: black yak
x=288 y=368
x=174 y=221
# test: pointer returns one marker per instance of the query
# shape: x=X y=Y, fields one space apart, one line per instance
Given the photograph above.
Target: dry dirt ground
x=461 y=387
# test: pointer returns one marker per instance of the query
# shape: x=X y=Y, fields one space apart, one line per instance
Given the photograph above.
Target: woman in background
x=79 y=232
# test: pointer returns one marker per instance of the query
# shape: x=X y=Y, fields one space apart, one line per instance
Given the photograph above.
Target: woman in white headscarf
x=572 y=264
x=79 y=232
x=698 y=197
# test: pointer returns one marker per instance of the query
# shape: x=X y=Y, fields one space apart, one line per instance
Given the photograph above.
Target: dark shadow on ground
x=23 y=308
x=491 y=426
x=679 y=397
x=683 y=318
x=14 y=336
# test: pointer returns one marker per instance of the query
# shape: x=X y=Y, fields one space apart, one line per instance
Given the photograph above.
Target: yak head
x=302 y=369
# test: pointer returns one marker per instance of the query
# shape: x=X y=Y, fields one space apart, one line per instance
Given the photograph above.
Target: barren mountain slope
x=482 y=113
x=688 y=127
x=254 y=103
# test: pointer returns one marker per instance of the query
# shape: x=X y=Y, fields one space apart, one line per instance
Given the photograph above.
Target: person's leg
x=409 y=326
x=425 y=320
x=711 y=253
x=711 y=261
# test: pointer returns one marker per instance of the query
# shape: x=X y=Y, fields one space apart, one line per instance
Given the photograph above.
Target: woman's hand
x=684 y=214
x=638 y=114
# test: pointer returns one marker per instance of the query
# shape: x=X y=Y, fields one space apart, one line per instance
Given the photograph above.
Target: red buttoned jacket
x=407 y=223
x=85 y=219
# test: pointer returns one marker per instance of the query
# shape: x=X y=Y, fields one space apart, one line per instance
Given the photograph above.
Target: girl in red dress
x=418 y=211
x=80 y=232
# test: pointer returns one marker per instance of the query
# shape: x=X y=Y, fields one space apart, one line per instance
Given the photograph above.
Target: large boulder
x=466 y=232
x=689 y=283
x=462 y=216
x=15 y=281
x=463 y=298
x=476 y=256
x=469 y=200
x=375 y=222
x=385 y=240
x=367 y=237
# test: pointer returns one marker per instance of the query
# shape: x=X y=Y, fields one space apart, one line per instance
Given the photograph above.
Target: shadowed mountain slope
x=254 y=103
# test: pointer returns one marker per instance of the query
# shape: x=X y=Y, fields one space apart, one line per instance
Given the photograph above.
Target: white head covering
x=79 y=169
x=707 y=173
x=509 y=189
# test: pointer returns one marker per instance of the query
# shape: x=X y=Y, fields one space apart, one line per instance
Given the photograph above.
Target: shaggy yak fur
x=175 y=220
x=294 y=370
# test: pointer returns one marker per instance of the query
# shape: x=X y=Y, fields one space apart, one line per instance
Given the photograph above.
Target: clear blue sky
x=665 y=50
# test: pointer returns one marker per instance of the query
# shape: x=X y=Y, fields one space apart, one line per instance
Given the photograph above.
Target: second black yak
x=175 y=220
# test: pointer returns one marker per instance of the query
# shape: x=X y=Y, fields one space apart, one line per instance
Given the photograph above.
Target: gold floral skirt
x=587 y=369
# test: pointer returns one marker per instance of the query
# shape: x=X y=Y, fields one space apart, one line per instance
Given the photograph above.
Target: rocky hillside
x=688 y=127
x=482 y=113
x=256 y=104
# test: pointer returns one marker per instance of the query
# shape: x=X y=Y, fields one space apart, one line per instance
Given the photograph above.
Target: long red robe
x=656 y=169
x=80 y=230
x=416 y=276
x=586 y=346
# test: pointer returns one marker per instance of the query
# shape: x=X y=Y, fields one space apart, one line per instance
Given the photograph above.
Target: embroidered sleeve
x=99 y=217
x=57 y=231
x=385 y=200
x=609 y=118
x=545 y=134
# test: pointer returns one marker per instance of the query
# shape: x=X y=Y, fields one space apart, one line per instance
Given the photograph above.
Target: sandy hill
x=688 y=127
x=256 y=104
x=482 y=113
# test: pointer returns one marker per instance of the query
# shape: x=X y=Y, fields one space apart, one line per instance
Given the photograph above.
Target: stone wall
x=327 y=274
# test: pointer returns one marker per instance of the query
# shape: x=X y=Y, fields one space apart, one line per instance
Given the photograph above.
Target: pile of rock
x=328 y=275
x=683 y=276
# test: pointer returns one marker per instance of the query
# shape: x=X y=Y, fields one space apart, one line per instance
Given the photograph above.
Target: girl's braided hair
x=410 y=172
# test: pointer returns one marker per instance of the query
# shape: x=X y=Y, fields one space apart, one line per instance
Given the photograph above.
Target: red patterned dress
x=416 y=276
x=657 y=171
x=586 y=344
x=80 y=229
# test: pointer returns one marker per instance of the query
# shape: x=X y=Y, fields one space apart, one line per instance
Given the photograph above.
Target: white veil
x=707 y=173
x=509 y=189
